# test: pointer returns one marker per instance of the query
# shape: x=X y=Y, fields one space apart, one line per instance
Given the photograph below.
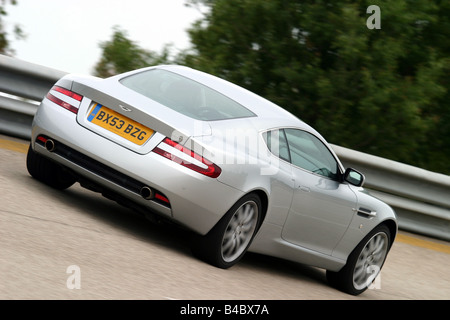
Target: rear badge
x=124 y=108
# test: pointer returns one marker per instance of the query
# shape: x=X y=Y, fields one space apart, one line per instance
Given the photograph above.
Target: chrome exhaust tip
x=50 y=145
x=147 y=193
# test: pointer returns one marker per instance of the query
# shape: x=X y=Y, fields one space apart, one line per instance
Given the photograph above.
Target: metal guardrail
x=28 y=82
x=420 y=198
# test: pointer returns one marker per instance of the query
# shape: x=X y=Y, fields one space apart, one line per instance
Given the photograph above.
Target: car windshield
x=185 y=95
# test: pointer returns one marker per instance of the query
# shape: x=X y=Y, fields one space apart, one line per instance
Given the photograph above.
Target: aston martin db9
x=240 y=172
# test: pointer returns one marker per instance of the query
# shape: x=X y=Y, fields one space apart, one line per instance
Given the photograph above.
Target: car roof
x=268 y=114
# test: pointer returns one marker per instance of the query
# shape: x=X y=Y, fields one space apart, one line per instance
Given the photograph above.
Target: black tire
x=364 y=263
x=230 y=238
x=48 y=172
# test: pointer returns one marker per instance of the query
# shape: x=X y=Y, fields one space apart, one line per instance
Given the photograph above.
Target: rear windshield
x=185 y=95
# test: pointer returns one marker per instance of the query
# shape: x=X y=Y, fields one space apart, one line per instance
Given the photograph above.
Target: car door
x=322 y=206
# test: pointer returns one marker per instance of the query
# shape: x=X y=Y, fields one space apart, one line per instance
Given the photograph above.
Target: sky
x=65 y=34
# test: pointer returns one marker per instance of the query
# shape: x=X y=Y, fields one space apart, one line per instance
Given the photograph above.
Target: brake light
x=65 y=98
x=187 y=158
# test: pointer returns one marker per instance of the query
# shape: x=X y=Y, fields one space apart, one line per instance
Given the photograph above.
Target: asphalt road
x=78 y=245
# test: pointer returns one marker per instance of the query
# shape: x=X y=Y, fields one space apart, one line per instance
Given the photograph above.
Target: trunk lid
x=129 y=118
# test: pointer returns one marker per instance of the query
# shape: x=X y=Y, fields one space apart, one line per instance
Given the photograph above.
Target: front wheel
x=228 y=241
x=364 y=263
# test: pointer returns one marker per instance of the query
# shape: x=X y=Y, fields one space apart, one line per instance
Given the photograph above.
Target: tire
x=364 y=263
x=48 y=172
x=230 y=238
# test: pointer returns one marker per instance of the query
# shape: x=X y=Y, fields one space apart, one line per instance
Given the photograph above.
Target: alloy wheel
x=370 y=260
x=239 y=231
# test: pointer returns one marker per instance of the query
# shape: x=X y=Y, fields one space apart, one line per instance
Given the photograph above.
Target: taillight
x=65 y=98
x=187 y=158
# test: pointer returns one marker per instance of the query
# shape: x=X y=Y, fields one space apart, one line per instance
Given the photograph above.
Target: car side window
x=277 y=144
x=309 y=153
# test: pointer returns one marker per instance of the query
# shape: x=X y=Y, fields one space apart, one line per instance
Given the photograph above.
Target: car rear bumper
x=196 y=201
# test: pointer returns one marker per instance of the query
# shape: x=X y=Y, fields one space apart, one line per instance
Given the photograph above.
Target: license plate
x=119 y=124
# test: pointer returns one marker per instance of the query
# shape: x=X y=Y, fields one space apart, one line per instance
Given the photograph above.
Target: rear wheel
x=228 y=241
x=48 y=172
x=364 y=263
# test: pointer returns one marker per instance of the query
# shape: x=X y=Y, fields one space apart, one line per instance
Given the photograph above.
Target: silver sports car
x=239 y=171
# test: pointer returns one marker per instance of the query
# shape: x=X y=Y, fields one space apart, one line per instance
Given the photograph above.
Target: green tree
x=4 y=42
x=121 y=54
x=382 y=91
x=435 y=154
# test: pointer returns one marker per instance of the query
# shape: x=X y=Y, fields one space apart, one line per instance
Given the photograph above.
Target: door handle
x=303 y=188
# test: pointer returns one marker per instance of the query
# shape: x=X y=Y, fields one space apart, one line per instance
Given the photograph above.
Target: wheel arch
x=264 y=203
x=393 y=229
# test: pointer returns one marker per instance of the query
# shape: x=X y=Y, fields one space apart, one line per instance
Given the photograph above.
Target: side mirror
x=354 y=177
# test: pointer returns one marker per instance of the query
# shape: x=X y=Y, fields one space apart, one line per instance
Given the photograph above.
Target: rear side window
x=185 y=95
x=277 y=144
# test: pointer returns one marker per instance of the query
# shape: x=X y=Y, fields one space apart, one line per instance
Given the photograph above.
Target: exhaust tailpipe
x=50 y=145
x=147 y=193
